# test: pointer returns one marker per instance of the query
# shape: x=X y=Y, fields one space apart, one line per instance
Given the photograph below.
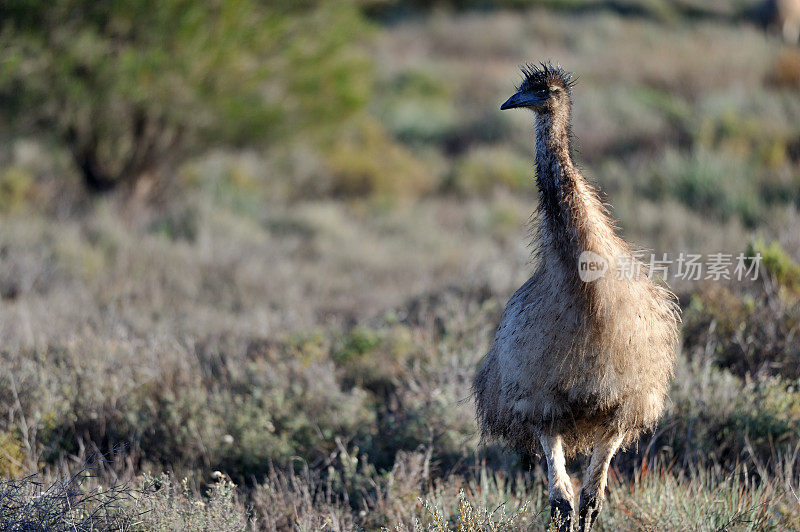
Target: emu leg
x=594 y=485
x=560 y=486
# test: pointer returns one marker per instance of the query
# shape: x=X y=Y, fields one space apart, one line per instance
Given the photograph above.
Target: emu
x=785 y=15
x=576 y=365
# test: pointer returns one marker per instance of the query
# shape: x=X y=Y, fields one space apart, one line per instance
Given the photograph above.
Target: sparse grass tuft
x=175 y=507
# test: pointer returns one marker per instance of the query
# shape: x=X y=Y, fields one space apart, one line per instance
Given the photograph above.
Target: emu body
x=576 y=367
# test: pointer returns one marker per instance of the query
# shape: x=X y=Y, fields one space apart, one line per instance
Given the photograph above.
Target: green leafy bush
x=131 y=89
x=420 y=108
x=16 y=189
x=484 y=169
x=366 y=161
x=749 y=334
x=777 y=264
x=709 y=182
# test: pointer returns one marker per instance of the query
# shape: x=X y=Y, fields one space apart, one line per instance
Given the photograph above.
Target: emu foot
x=588 y=511
x=561 y=515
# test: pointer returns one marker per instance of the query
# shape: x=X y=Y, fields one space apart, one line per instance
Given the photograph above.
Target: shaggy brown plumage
x=574 y=365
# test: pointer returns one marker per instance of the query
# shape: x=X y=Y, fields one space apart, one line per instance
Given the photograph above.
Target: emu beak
x=519 y=99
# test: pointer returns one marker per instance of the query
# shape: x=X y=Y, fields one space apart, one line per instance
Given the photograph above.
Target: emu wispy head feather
x=545 y=76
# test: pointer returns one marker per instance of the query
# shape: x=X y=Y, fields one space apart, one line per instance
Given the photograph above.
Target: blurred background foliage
x=131 y=89
x=273 y=238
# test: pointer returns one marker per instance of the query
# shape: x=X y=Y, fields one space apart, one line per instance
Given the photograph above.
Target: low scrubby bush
x=484 y=169
x=366 y=161
x=750 y=332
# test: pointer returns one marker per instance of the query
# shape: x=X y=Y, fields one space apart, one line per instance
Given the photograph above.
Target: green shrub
x=749 y=334
x=133 y=89
x=483 y=169
x=17 y=189
x=768 y=415
x=719 y=419
x=709 y=182
x=375 y=359
x=12 y=455
x=230 y=410
x=178 y=223
x=777 y=264
x=366 y=161
x=419 y=108
x=746 y=134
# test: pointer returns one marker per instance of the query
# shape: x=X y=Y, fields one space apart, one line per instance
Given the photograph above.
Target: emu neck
x=561 y=187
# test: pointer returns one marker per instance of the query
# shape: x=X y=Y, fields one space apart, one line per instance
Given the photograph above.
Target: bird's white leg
x=594 y=485
x=560 y=486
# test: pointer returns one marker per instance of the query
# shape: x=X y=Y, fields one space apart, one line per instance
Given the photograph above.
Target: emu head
x=545 y=89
